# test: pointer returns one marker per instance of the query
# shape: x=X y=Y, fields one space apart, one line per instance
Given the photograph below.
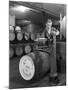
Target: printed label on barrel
x=19 y=36
x=11 y=36
x=26 y=68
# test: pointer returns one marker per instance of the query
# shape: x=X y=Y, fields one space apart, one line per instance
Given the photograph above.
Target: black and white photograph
x=37 y=44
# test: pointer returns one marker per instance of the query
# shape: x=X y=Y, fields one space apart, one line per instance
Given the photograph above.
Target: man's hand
x=55 y=31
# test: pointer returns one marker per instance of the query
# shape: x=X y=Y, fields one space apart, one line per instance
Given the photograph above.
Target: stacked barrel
x=19 y=37
x=21 y=42
x=11 y=39
x=11 y=34
x=11 y=51
x=19 y=34
x=26 y=36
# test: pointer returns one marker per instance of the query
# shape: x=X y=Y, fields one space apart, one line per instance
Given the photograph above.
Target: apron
x=52 y=46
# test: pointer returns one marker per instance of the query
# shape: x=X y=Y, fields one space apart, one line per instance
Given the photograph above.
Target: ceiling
x=53 y=9
x=39 y=11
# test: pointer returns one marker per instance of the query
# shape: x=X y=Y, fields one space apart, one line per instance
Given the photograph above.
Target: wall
x=11 y=20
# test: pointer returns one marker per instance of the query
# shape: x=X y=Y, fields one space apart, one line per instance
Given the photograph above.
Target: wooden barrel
x=18 y=28
x=11 y=28
x=11 y=52
x=27 y=49
x=32 y=36
x=11 y=36
x=34 y=65
x=19 y=51
x=26 y=36
x=11 y=33
x=19 y=36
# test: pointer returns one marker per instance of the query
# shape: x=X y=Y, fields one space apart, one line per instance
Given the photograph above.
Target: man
x=50 y=33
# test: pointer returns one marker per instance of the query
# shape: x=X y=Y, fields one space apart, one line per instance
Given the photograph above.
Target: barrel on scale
x=11 y=34
x=34 y=65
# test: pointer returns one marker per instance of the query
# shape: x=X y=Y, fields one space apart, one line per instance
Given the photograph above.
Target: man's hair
x=49 y=21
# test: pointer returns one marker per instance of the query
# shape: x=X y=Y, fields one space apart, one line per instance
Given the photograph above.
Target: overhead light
x=26 y=21
x=21 y=8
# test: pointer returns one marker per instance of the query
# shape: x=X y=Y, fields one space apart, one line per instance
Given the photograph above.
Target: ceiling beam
x=35 y=8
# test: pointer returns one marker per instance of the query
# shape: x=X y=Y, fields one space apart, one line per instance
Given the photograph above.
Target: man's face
x=48 y=25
